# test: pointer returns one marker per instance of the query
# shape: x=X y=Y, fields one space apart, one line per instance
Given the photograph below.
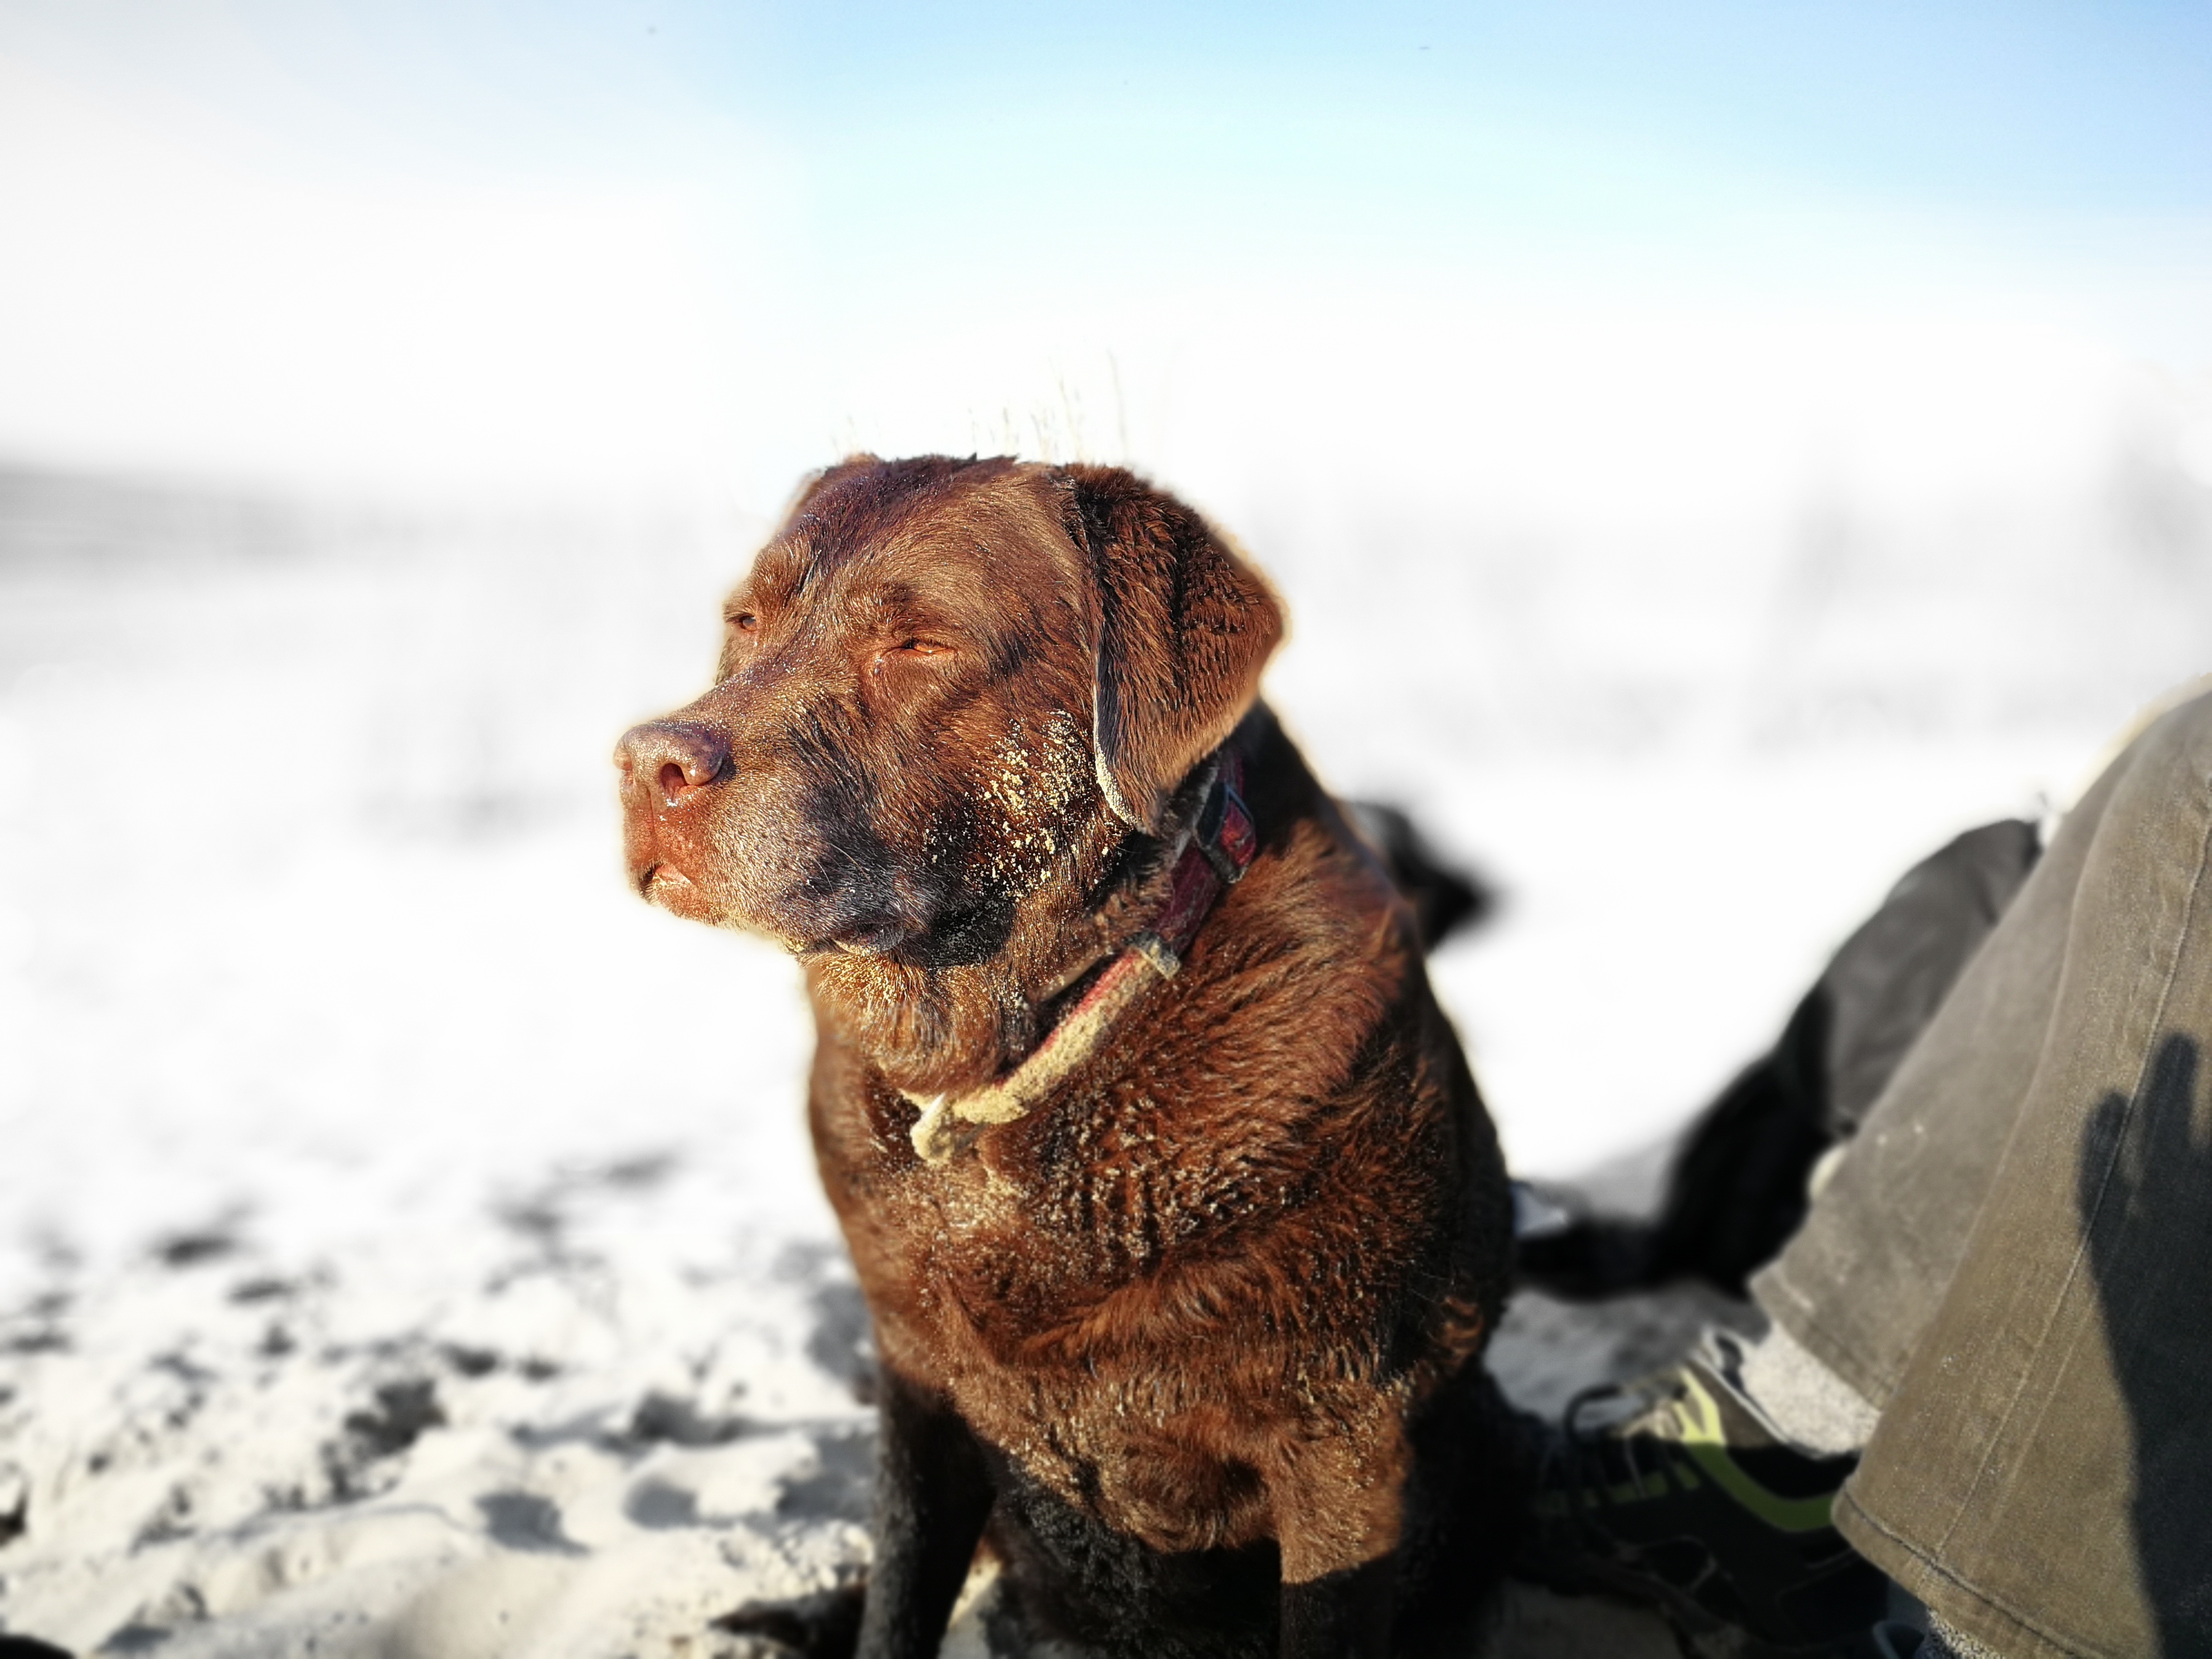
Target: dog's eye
x=743 y=621
x=915 y=647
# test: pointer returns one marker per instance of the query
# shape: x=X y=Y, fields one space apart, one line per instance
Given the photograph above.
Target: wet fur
x=1198 y=1338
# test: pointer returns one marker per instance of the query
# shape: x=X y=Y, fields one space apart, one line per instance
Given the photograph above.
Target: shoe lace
x=1586 y=1454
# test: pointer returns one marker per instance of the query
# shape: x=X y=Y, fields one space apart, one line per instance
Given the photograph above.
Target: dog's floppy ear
x=1184 y=627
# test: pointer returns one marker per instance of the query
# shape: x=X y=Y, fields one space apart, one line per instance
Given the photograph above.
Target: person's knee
x=2170 y=740
x=2183 y=735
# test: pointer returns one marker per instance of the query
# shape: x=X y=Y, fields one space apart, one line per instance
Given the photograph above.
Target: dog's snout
x=675 y=756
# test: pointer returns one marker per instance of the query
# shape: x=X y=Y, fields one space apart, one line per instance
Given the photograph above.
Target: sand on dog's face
x=899 y=724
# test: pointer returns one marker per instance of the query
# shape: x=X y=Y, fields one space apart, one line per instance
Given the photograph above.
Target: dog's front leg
x=1338 y=1500
x=1345 y=1614
x=933 y=1493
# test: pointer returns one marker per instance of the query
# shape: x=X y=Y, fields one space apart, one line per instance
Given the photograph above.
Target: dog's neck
x=957 y=1029
x=1210 y=857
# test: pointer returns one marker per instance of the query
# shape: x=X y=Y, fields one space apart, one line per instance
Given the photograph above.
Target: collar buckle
x=1224 y=834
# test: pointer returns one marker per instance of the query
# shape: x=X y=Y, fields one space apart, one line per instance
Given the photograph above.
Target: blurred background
x=1712 y=453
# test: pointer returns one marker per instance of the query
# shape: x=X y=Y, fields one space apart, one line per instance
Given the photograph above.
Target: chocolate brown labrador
x=1181 y=1221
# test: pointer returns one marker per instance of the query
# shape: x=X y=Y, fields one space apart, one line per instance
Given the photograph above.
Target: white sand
x=408 y=1245
x=555 y=1439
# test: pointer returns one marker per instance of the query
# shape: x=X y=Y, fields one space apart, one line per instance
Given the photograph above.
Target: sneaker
x=1678 y=1491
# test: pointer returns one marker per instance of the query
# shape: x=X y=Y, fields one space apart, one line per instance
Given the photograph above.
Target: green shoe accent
x=1685 y=1496
x=1699 y=1415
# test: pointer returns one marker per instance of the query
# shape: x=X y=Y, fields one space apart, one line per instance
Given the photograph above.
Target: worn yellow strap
x=938 y=1132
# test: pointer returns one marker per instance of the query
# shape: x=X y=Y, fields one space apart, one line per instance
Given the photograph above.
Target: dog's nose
x=675 y=756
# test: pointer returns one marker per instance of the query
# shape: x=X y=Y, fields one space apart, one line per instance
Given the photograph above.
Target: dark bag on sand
x=1738 y=1187
x=1446 y=900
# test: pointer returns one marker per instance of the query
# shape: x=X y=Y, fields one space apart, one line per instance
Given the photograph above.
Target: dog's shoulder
x=1218 y=1163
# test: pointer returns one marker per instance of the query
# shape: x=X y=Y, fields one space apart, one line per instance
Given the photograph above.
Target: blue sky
x=2022 y=106
x=772 y=202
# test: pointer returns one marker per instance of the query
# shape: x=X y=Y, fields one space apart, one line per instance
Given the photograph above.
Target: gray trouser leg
x=2014 y=1261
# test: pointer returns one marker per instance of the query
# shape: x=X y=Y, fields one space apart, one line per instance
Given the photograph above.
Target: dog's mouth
x=952 y=940
x=838 y=910
x=662 y=885
x=657 y=879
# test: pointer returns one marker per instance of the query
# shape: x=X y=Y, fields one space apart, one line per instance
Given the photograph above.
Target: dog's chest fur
x=1239 y=1224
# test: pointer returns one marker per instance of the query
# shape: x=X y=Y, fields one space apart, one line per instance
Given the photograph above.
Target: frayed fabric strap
x=1217 y=849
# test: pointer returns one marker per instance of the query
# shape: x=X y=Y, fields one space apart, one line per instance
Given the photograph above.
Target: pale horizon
x=1703 y=272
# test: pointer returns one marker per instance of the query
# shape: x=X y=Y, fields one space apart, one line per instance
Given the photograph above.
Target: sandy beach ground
x=408 y=1242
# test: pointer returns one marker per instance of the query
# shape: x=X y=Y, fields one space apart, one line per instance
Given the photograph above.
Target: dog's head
x=940 y=682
